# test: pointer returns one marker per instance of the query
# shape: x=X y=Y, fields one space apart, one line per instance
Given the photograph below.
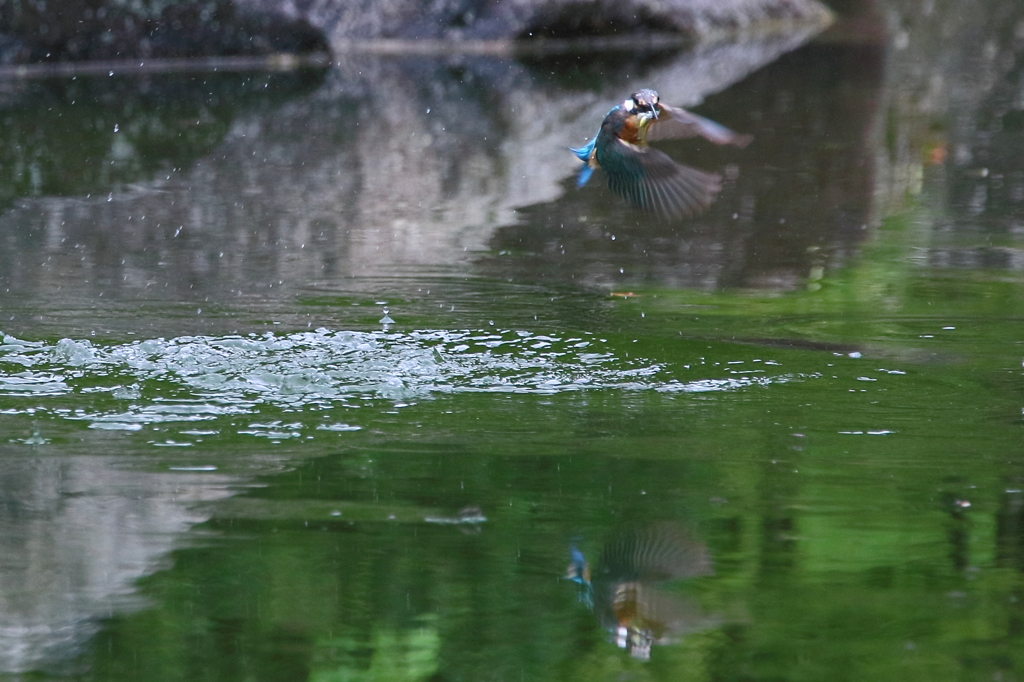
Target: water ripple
x=201 y=377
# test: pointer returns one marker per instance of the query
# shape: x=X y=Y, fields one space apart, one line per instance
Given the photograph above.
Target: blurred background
x=316 y=364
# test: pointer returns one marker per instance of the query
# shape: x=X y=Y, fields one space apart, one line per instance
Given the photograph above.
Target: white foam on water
x=204 y=377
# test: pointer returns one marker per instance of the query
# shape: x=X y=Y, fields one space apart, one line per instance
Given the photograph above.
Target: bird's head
x=645 y=101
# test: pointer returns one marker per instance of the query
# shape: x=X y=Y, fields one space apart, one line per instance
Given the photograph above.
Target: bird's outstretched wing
x=651 y=180
x=674 y=123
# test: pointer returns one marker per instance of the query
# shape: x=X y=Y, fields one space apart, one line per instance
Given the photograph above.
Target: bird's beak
x=654 y=110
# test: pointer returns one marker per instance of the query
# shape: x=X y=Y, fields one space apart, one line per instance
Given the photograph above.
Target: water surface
x=331 y=376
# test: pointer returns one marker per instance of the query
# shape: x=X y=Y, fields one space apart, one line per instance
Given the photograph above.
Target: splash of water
x=203 y=377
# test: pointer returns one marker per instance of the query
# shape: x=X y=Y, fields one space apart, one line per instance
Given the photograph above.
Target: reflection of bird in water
x=646 y=177
x=625 y=591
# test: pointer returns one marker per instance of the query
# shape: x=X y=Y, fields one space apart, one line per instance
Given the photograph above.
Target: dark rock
x=77 y=30
x=516 y=19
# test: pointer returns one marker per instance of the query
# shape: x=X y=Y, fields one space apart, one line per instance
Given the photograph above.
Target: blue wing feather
x=584 y=175
x=583 y=153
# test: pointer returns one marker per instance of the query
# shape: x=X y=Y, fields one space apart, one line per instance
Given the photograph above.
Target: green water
x=320 y=419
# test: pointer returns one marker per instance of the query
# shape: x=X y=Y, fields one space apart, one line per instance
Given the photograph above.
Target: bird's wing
x=660 y=551
x=674 y=123
x=651 y=180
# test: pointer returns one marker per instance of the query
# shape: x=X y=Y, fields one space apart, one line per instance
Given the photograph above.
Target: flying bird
x=646 y=177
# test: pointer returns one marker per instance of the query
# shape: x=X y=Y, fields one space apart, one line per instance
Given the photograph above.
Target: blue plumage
x=585 y=154
x=585 y=151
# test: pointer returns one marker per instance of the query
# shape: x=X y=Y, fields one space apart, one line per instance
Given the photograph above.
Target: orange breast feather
x=632 y=131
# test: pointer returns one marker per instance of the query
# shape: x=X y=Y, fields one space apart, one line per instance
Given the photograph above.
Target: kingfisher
x=646 y=177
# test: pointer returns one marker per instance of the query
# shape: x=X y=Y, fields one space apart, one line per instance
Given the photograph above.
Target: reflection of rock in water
x=393 y=163
x=95 y=134
x=75 y=535
x=628 y=592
